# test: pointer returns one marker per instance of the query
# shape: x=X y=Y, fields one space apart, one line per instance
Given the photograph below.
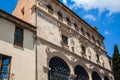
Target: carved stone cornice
x=65 y=30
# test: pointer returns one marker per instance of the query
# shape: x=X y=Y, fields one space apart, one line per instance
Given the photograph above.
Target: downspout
x=36 y=52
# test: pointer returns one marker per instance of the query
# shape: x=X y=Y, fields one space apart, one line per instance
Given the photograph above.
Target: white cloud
x=110 y=5
x=90 y=17
x=65 y=1
x=107 y=33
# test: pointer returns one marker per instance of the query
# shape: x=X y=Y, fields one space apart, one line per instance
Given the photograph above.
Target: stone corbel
x=102 y=71
x=49 y=50
x=72 y=76
x=46 y=69
x=73 y=59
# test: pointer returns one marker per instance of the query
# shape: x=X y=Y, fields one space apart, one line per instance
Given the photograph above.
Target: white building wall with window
x=22 y=62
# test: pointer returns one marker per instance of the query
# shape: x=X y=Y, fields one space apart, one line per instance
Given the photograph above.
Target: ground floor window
x=81 y=73
x=95 y=76
x=59 y=69
x=4 y=67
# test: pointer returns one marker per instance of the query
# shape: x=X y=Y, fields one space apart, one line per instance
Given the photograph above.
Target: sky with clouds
x=104 y=14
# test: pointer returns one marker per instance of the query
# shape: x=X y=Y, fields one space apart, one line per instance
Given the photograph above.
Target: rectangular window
x=64 y=39
x=18 y=37
x=4 y=67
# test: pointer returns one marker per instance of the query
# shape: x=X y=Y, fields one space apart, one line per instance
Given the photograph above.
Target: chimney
x=95 y=28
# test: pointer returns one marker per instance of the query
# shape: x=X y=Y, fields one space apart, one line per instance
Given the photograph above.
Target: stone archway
x=81 y=73
x=59 y=70
x=95 y=76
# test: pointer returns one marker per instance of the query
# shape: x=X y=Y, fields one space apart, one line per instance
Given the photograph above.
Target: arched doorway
x=81 y=73
x=95 y=76
x=59 y=69
x=106 y=78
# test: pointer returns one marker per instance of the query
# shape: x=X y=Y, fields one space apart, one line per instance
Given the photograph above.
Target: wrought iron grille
x=59 y=69
x=54 y=75
x=6 y=76
x=81 y=77
x=81 y=73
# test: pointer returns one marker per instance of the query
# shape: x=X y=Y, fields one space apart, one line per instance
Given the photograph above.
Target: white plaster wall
x=23 y=59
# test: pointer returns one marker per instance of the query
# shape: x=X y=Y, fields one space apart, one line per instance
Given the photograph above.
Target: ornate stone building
x=67 y=47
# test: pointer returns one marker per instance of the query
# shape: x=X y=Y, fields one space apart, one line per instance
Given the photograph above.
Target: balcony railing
x=6 y=76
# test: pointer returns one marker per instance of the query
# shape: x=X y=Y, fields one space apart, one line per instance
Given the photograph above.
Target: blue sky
x=104 y=14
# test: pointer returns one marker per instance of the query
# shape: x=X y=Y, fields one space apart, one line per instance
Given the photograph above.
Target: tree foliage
x=116 y=63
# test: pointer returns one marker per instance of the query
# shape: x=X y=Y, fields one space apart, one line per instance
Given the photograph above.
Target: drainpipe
x=36 y=52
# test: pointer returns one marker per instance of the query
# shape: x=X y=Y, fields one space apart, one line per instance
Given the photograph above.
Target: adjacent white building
x=17 y=48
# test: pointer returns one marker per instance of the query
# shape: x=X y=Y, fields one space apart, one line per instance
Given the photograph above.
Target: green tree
x=116 y=63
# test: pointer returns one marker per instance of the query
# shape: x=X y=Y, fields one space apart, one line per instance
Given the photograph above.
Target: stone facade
x=64 y=39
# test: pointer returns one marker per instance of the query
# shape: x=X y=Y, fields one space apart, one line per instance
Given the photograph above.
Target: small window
x=68 y=21
x=64 y=39
x=83 y=49
x=82 y=30
x=18 y=36
x=88 y=35
x=98 y=42
x=97 y=57
x=93 y=38
x=4 y=67
x=60 y=15
x=23 y=11
x=50 y=9
x=76 y=27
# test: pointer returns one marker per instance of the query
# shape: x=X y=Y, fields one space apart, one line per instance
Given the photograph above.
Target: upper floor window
x=82 y=30
x=88 y=35
x=60 y=15
x=50 y=9
x=98 y=42
x=18 y=36
x=83 y=49
x=4 y=67
x=93 y=38
x=68 y=21
x=98 y=59
x=76 y=27
x=64 y=39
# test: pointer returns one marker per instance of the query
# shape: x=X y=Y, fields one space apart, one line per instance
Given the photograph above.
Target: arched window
x=60 y=15
x=59 y=69
x=95 y=76
x=81 y=73
x=106 y=78
x=50 y=9
x=68 y=21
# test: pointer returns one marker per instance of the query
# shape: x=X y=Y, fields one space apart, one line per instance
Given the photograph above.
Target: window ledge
x=15 y=46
